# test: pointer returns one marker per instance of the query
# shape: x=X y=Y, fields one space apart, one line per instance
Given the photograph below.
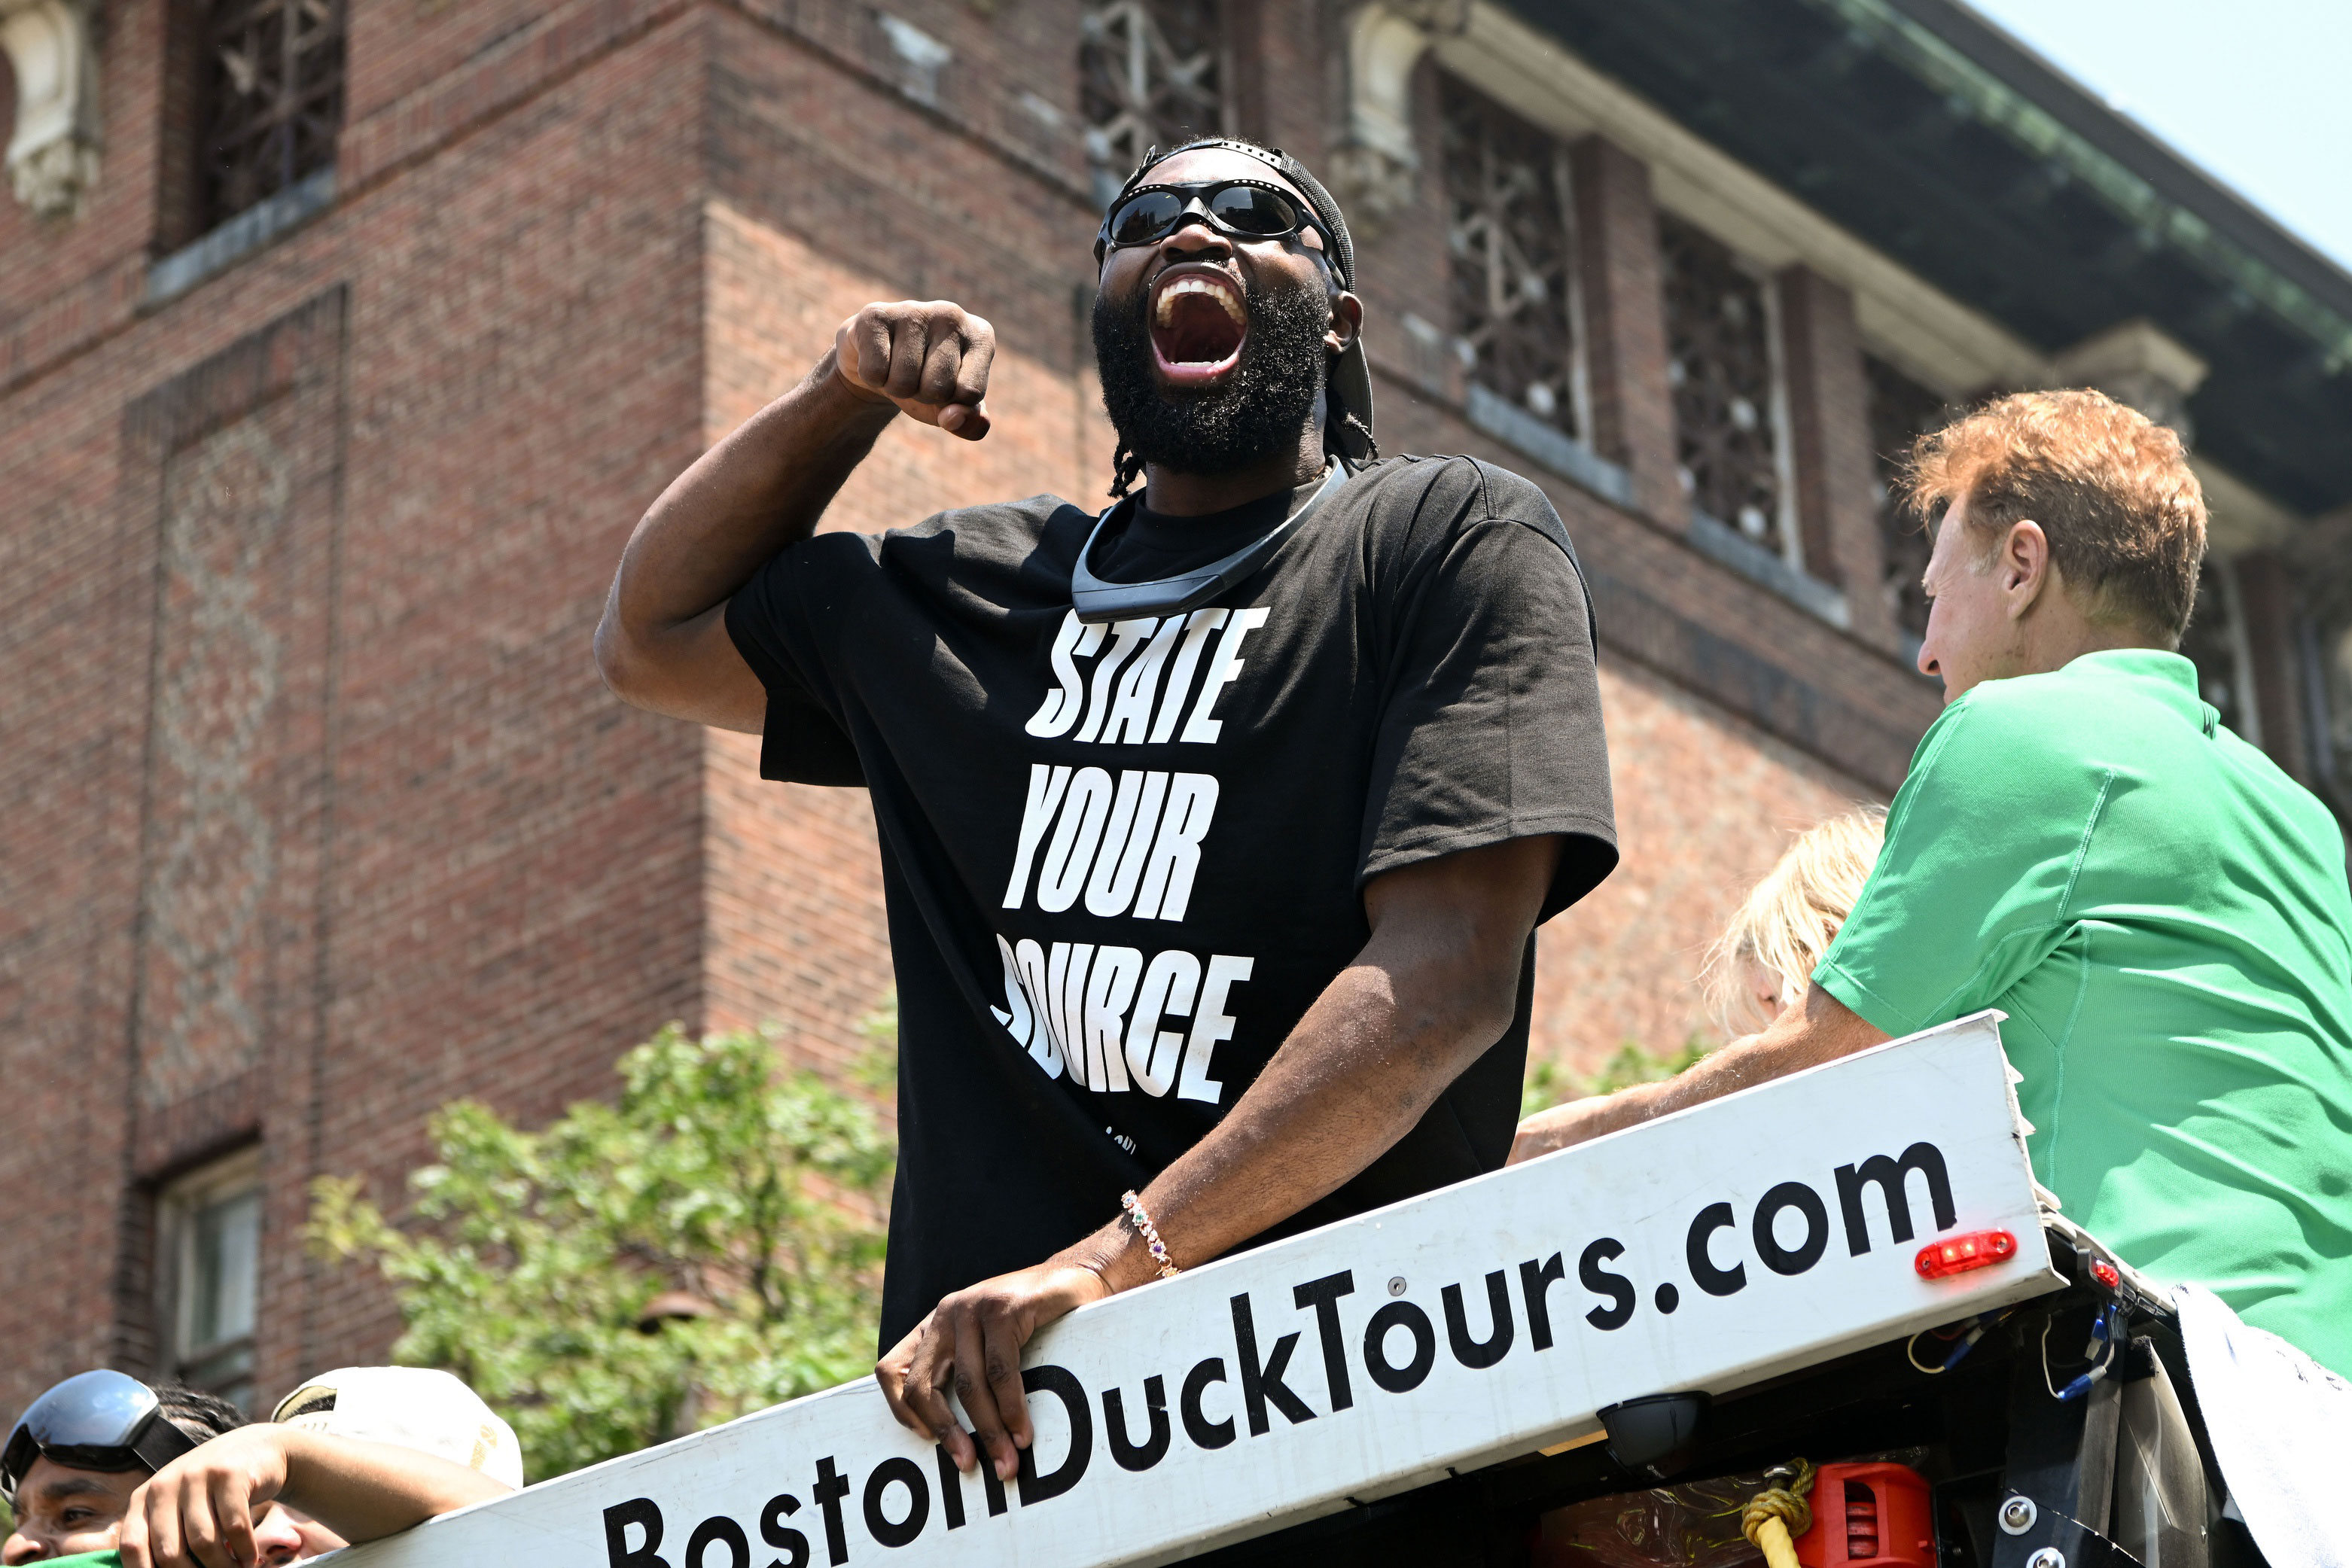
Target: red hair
x=2111 y=488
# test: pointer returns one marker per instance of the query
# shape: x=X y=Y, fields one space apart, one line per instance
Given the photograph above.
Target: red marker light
x=2105 y=1273
x=1977 y=1249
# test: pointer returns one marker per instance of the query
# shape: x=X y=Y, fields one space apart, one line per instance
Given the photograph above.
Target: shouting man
x=1214 y=829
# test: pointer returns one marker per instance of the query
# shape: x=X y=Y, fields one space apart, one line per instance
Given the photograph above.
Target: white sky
x=2257 y=93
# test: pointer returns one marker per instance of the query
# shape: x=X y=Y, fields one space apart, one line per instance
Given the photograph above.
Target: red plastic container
x=1870 y=1516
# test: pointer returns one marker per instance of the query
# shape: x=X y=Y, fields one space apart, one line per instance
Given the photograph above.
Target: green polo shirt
x=2163 y=915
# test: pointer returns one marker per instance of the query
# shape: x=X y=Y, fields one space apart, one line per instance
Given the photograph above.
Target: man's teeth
x=1165 y=310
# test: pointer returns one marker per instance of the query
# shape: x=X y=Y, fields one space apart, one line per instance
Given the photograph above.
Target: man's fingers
x=979 y=355
x=910 y=343
x=167 y=1536
x=891 y=1373
x=232 y=1520
x=925 y=1382
x=966 y=413
x=930 y=357
x=199 y=1534
x=978 y=1402
x=1002 y=1338
x=866 y=354
x=915 y=1394
x=132 y=1542
x=940 y=365
x=969 y=422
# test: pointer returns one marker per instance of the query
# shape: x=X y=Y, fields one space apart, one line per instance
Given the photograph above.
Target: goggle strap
x=160 y=1441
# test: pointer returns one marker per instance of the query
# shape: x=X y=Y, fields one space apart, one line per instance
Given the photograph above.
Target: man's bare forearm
x=1360 y=1071
x=1822 y=1029
x=363 y=1491
x=1425 y=997
x=762 y=488
x=1434 y=988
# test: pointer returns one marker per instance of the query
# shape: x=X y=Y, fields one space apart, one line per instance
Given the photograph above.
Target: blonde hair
x=1788 y=920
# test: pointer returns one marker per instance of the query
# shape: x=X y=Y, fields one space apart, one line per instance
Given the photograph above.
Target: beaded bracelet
x=1150 y=1234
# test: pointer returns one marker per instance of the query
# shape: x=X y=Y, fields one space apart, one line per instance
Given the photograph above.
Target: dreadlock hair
x=1126 y=469
x=1348 y=421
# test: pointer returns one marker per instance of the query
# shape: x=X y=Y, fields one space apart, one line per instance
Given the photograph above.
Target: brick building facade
x=342 y=342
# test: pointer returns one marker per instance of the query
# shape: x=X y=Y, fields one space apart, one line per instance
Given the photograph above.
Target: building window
x=1727 y=386
x=1901 y=410
x=211 y=1234
x=1506 y=205
x=1151 y=74
x=273 y=96
x=2216 y=644
x=2327 y=649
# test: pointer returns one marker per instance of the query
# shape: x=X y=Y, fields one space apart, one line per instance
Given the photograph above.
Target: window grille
x=2327 y=649
x=212 y=1240
x=2216 y=644
x=276 y=95
x=1506 y=229
x=1901 y=410
x=1719 y=335
x=1150 y=73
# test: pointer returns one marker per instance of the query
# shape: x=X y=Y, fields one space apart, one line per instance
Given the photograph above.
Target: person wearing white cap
x=362 y=1452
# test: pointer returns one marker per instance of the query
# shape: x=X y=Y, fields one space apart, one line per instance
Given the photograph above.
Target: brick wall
x=359 y=497
x=399 y=449
x=1829 y=418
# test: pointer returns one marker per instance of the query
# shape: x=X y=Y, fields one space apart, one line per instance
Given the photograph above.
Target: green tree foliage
x=632 y=1272
x=1549 y=1084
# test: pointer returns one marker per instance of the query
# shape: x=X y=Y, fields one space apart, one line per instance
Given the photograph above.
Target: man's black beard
x=1258 y=410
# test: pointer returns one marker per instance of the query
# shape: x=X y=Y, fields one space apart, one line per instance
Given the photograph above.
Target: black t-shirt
x=1121 y=860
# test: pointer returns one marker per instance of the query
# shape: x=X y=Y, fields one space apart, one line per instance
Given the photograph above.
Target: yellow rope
x=1775 y=1515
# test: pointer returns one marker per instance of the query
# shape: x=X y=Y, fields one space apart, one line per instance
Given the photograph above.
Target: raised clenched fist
x=930 y=357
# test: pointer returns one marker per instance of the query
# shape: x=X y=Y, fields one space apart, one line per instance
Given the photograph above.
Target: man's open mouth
x=1198 y=323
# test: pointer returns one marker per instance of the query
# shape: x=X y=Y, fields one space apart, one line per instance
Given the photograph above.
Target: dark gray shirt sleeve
x=771 y=619
x=1491 y=729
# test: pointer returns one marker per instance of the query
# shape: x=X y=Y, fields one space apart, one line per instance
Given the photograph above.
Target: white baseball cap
x=411 y=1406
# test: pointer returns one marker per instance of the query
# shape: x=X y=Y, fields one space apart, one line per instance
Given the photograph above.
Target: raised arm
x=663 y=642
x=199 y=1511
x=1434 y=987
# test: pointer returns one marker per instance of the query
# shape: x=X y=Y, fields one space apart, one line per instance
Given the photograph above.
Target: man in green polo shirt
x=2158 y=909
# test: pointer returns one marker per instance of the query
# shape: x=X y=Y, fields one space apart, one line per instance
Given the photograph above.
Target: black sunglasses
x=1238 y=209
x=101 y=1420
